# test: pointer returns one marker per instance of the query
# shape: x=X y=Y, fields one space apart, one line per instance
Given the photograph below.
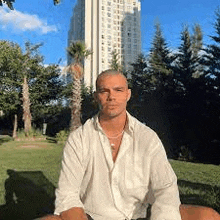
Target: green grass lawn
x=29 y=156
x=198 y=183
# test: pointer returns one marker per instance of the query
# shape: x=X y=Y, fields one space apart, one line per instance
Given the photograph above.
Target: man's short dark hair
x=109 y=72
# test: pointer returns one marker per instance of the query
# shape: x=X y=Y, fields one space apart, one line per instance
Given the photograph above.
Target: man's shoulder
x=139 y=126
x=87 y=127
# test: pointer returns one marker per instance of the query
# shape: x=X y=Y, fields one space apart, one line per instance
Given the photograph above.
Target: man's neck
x=113 y=125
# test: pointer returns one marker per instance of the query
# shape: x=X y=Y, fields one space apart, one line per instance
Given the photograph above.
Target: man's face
x=112 y=95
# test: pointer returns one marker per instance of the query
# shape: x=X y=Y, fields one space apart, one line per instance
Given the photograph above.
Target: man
x=114 y=166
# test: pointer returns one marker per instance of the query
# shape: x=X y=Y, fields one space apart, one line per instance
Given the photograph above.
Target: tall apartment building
x=106 y=26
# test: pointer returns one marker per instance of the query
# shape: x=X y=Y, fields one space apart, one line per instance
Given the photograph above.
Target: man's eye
x=102 y=91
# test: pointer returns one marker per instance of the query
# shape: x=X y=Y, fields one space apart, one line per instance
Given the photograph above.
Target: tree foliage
x=77 y=51
x=9 y=3
x=177 y=95
x=115 y=61
x=25 y=81
x=160 y=58
x=9 y=84
x=185 y=64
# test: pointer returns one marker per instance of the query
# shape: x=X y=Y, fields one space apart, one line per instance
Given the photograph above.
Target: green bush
x=62 y=135
x=32 y=133
x=5 y=138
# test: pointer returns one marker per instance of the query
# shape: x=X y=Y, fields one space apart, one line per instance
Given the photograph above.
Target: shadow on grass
x=199 y=194
x=28 y=195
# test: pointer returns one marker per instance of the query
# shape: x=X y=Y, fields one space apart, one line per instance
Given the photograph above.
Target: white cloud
x=23 y=22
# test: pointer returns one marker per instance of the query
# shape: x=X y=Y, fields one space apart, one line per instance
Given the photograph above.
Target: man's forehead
x=112 y=80
x=105 y=86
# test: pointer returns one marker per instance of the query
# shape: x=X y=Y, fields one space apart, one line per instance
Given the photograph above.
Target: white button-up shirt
x=118 y=190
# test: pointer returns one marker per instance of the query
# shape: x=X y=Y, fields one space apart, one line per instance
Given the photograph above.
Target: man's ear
x=129 y=95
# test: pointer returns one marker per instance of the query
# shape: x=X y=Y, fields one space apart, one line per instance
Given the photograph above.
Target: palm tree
x=78 y=52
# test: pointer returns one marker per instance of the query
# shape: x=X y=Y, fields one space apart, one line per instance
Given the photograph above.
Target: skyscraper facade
x=106 y=26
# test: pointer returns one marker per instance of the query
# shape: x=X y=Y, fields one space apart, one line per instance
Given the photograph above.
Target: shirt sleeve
x=164 y=187
x=71 y=175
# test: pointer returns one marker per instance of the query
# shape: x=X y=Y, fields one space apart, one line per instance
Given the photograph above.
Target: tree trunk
x=26 y=107
x=14 y=135
x=76 y=104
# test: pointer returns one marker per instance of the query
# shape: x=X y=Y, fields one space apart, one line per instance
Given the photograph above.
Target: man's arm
x=68 y=202
x=164 y=187
x=75 y=213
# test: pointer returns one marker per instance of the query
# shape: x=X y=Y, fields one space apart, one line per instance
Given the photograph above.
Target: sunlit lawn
x=29 y=156
x=198 y=183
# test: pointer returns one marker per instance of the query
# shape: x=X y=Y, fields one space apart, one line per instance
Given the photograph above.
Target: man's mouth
x=111 y=106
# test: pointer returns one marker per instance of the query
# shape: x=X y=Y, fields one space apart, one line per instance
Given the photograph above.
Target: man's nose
x=111 y=95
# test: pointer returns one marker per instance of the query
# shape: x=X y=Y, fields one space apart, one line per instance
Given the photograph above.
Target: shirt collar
x=128 y=128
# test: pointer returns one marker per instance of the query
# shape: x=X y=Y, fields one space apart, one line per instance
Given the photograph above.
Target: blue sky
x=41 y=21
